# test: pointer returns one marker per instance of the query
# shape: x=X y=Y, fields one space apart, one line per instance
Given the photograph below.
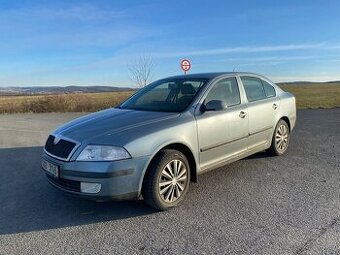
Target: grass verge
x=82 y=102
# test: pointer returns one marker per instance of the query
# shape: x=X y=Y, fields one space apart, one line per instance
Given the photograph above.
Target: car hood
x=109 y=121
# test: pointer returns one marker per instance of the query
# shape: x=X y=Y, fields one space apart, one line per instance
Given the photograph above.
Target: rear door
x=222 y=134
x=262 y=108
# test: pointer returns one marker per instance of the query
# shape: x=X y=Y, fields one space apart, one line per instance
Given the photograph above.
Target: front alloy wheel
x=167 y=179
x=173 y=180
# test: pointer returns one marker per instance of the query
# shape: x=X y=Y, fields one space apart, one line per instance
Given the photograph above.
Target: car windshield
x=168 y=95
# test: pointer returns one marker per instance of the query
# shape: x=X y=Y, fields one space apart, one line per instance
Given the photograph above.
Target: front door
x=222 y=134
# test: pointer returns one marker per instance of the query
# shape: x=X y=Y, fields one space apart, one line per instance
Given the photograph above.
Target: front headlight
x=103 y=153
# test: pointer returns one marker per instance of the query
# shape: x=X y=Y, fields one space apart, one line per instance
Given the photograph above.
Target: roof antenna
x=234 y=69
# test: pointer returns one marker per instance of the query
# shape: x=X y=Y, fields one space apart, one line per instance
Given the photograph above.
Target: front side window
x=225 y=90
x=254 y=88
x=168 y=95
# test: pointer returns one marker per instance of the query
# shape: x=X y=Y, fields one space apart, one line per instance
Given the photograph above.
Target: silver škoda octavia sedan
x=161 y=138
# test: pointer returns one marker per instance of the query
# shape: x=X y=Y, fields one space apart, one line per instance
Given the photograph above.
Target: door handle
x=242 y=114
x=275 y=106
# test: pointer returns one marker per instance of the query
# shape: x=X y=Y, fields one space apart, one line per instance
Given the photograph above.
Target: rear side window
x=225 y=90
x=268 y=89
x=254 y=88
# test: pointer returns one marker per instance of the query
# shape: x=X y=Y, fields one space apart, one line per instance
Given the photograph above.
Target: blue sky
x=69 y=42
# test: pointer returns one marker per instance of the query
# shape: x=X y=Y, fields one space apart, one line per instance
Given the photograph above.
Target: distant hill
x=41 y=90
x=303 y=83
x=59 y=90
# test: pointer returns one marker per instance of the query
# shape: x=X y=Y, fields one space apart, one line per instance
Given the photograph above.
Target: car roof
x=211 y=76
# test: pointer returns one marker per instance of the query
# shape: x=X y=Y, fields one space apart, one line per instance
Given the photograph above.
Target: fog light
x=88 y=187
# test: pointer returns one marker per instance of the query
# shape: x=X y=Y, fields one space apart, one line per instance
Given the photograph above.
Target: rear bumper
x=119 y=180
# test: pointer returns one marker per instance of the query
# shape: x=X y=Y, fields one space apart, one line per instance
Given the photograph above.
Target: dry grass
x=315 y=96
x=84 y=102
x=307 y=96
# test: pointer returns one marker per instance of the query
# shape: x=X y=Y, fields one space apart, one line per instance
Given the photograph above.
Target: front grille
x=61 y=149
x=65 y=184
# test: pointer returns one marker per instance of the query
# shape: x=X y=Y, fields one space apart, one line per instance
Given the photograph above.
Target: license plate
x=50 y=168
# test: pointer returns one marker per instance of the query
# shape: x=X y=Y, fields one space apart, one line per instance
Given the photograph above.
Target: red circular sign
x=185 y=65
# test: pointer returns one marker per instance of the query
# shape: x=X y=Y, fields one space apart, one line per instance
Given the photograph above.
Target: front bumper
x=118 y=179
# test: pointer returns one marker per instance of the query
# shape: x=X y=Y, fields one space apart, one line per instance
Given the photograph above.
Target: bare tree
x=141 y=70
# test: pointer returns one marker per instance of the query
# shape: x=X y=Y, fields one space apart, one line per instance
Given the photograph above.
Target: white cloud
x=316 y=78
x=244 y=49
x=270 y=58
x=270 y=63
x=80 y=12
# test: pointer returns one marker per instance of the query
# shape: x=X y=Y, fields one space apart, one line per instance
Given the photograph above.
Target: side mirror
x=215 y=105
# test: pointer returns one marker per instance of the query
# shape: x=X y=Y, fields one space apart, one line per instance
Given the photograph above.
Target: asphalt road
x=259 y=205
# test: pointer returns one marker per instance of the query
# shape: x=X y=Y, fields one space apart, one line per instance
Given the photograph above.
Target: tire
x=165 y=185
x=280 y=140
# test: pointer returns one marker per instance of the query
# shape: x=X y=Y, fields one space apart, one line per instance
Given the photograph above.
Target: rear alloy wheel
x=167 y=180
x=280 y=139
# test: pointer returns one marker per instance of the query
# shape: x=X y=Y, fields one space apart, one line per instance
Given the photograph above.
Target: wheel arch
x=286 y=119
x=179 y=147
x=271 y=147
x=189 y=155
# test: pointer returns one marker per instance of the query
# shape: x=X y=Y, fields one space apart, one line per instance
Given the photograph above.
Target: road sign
x=185 y=65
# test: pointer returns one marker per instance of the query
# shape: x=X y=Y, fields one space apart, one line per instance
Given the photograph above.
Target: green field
x=315 y=96
x=307 y=96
